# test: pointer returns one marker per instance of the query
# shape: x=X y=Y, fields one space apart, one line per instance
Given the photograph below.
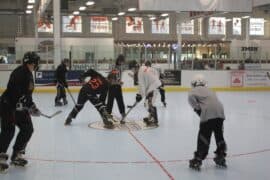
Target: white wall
x=260 y=2
x=214 y=78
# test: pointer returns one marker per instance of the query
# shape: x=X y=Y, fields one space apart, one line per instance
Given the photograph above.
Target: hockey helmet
x=198 y=80
x=148 y=63
x=31 y=57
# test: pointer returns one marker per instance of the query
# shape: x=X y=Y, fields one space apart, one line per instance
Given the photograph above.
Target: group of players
x=17 y=106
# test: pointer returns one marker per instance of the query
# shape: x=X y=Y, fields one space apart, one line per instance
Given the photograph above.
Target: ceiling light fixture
x=30 y=6
x=245 y=17
x=114 y=18
x=28 y=11
x=82 y=8
x=31 y=1
x=164 y=14
x=90 y=3
x=76 y=12
x=121 y=13
x=132 y=9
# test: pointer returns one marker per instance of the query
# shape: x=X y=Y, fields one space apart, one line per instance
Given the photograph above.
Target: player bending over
x=149 y=83
x=206 y=104
x=94 y=90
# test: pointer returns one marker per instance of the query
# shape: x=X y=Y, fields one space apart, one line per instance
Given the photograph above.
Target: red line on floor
x=151 y=155
x=140 y=162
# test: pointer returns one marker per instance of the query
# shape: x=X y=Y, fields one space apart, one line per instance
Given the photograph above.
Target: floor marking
x=230 y=156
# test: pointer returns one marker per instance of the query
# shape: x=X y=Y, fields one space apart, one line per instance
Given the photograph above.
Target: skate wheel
x=3 y=171
x=223 y=166
x=195 y=168
x=17 y=165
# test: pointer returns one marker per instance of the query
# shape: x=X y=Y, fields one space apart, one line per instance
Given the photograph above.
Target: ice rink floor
x=78 y=152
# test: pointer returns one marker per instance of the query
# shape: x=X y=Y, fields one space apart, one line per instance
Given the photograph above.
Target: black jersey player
x=17 y=106
x=94 y=90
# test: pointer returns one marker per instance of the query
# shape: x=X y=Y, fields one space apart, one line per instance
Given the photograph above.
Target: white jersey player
x=149 y=83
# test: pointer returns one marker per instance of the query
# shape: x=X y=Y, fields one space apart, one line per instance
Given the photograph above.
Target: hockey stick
x=69 y=93
x=71 y=96
x=50 y=116
x=130 y=108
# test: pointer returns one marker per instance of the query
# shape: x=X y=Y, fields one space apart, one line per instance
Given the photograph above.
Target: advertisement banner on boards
x=256 y=78
x=47 y=78
x=172 y=77
x=237 y=78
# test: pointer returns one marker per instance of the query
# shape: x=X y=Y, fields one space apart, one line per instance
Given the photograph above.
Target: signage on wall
x=72 y=24
x=249 y=48
x=161 y=26
x=237 y=26
x=217 y=25
x=256 y=26
x=187 y=27
x=45 y=25
x=134 y=24
x=100 y=24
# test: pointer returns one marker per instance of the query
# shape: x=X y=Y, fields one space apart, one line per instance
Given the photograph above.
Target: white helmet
x=198 y=80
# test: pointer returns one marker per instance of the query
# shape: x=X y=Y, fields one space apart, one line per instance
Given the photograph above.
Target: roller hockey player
x=149 y=83
x=16 y=107
x=206 y=104
x=115 y=88
x=94 y=90
x=61 y=83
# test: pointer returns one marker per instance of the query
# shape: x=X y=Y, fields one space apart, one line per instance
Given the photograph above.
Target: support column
x=57 y=32
x=247 y=38
x=36 y=29
x=179 y=49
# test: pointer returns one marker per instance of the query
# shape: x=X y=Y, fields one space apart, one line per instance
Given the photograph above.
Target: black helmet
x=148 y=63
x=31 y=57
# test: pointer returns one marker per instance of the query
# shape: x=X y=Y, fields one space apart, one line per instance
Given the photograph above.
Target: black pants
x=23 y=121
x=61 y=92
x=98 y=100
x=162 y=94
x=204 y=138
x=115 y=91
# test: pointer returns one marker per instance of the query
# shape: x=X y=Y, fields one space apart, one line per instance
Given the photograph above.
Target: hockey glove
x=198 y=111
x=138 y=97
x=34 y=111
